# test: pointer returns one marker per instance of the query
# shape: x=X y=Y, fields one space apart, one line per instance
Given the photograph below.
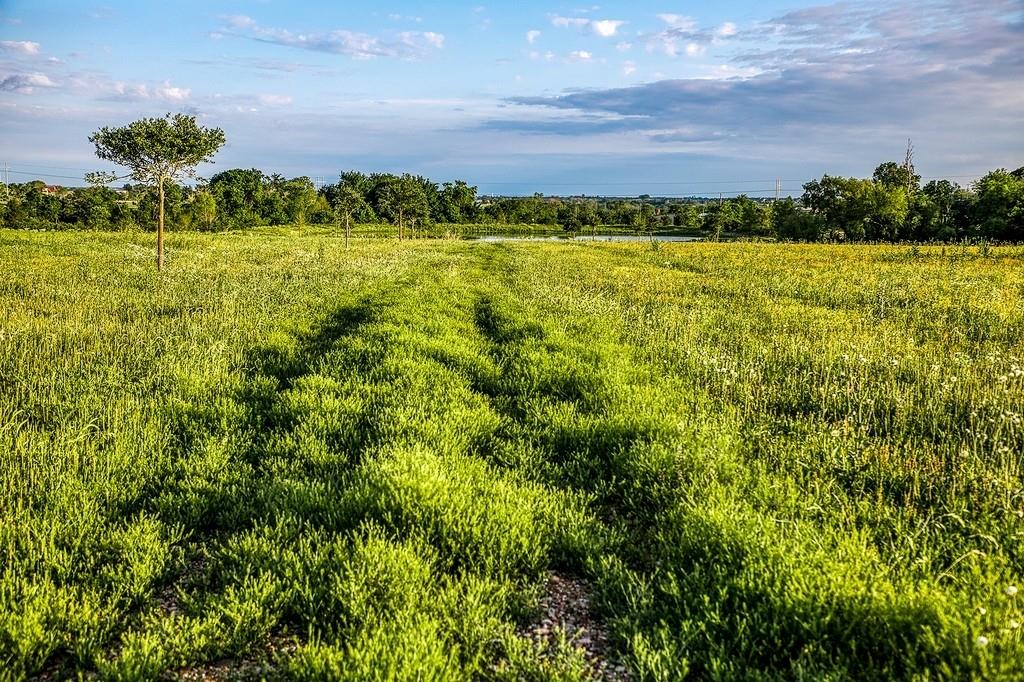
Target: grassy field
x=283 y=459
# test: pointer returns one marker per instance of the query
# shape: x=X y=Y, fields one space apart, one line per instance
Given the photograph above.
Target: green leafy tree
x=794 y=222
x=347 y=202
x=721 y=217
x=204 y=208
x=897 y=176
x=752 y=216
x=686 y=215
x=403 y=199
x=457 y=202
x=569 y=217
x=158 y=150
x=239 y=194
x=643 y=218
x=299 y=200
x=999 y=209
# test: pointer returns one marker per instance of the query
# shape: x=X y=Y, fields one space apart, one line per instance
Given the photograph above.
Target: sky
x=616 y=98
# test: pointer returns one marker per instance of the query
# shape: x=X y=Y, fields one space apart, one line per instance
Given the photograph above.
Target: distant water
x=583 y=238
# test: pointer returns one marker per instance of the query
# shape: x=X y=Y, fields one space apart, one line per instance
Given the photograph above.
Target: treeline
x=232 y=199
x=892 y=205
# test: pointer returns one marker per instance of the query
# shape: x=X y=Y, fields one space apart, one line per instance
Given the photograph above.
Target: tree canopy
x=155 y=151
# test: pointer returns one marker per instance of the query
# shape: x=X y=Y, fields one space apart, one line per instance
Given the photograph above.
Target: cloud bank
x=402 y=45
x=838 y=75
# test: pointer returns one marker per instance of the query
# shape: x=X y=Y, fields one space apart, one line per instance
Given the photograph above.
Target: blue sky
x=609 y=98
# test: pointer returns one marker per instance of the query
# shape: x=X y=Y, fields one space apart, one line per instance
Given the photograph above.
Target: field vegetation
x=283 y=458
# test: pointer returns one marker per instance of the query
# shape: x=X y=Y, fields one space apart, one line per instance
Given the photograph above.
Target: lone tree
x=347 y=201
x=156 y=150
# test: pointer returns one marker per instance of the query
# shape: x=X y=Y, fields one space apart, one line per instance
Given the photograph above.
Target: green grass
x=769 y=461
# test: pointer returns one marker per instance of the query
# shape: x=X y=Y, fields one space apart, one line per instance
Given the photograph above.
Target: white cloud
x=120 y=90
x=433 y=39
x=605 y=28
x=683 y=36
x=240 y=21
x=624 y=46
x=22 y=46
x=171 y=93
x=275 y=100
x=404 y=45
x=26 y=83
x=566 y=22
x=679 y=21
x=531 y=36
x=628 y=68
x=580 y=56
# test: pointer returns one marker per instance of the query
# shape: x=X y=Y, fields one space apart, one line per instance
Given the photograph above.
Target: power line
x=41 y=165
x=46 y=175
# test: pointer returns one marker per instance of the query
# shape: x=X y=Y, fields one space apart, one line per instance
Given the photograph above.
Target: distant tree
x=752 y=217
x=933 y=213
x=299 y=200
x=204 y=208
x=842 y=204
x=793 y=222
x=885 y=212
x=403 y=199
x=896 y=176
x=239 y=194
x=642 y=219
x=720 y=217
x=588 y=216
x=569 y=217
x=347 y=202
x=457 y=202
x=999 y=209
x=158 y=150
x=686 y=215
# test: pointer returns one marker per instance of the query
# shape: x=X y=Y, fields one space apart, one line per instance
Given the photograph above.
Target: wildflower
x=982 y=640
x=1011 y=590
x=1014 y=624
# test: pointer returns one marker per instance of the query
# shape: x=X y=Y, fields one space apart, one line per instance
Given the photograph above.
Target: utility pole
x=778 y=188
x=908 y=167
x=7 y=184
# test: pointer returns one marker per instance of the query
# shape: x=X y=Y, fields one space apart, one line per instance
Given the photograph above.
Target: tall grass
x=770 y=461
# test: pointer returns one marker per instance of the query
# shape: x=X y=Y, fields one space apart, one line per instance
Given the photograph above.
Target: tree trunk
x=401 y=226
x=347 y=220
x=160 y=230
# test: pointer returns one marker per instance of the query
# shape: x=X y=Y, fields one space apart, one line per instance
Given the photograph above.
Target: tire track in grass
x=383 y=545
x=223 y=489
x=695 y=576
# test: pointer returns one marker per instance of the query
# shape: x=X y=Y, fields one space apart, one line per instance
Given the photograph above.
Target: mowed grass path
x=284 y=459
